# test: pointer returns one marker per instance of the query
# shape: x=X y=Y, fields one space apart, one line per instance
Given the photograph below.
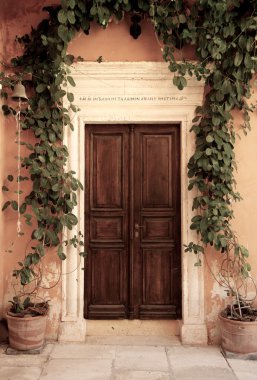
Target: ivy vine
x=223 y=34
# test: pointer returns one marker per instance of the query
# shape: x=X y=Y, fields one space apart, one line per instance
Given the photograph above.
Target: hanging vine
x=223 y=34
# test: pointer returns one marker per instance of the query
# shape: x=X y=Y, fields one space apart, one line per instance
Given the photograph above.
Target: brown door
x=133 y=222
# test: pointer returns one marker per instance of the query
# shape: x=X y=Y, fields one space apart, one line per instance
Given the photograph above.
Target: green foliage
x=223 y=34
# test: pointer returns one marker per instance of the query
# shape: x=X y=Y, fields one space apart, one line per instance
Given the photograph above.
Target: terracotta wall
x=115 y=44
x=2 y=38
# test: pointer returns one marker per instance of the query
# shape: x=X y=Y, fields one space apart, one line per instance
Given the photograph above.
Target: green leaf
x=40 y=88
x=62 y=16
x=248 y=61
x=6 y=204
x=56 y=187
x=209 y=139
x=60 y=253
x=182 y=19
x=63 y=33
x=69 y=59
x=71 y=81
x=10 y=178
x=38 y=234
x=14 y=205
x=41 y=250
x=52 y=136
x=23 y=208
x=169 y=22
x=93 y=10
x=71 y=4
x=70 y=97
x=71 y=17
x=238 y=58
x=59 y=94
x=208 y=152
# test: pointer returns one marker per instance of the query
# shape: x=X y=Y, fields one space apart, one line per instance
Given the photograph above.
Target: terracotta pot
x=26 y=333
x=237 y=336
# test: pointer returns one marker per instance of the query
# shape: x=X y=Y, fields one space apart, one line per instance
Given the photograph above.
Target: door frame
x=118 y=92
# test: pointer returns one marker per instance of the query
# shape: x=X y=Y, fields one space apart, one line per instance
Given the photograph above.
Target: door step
x=136 y=327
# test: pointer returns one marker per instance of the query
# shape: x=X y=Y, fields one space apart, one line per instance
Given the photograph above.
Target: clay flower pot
x=26 y=333
x=238 y=337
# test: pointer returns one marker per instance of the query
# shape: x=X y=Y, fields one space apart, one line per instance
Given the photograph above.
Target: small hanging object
x=19 y=93
x=135 y=29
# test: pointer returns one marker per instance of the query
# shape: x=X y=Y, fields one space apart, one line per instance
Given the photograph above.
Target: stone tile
x=21 y=373
x=82 y=350
x=23 y=360
x=244 y=369
x=243 y=365
x=245 y=375
x=186 y=357
x=79 y=369
x=135 y=340
x=204 y=373
x=200 y=362
x=141 y=375
x=141 y=358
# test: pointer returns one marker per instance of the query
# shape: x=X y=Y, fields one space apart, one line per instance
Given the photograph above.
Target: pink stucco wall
x=113 y=44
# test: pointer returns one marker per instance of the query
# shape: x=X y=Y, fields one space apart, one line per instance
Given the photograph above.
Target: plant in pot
x=238 y=321
x=28 y=312
x=27 y=315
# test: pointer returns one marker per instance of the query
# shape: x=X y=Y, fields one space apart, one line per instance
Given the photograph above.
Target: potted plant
x=238 y=321
x=27 y=315
x=27 y=323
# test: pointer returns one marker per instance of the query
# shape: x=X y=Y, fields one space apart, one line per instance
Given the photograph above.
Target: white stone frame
x=122 y=93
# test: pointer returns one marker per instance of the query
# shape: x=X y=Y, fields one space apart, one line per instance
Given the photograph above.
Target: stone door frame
x=126 y=93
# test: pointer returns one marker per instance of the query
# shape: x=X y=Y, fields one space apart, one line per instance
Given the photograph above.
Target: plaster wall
x=2 y=38
x=113 y=44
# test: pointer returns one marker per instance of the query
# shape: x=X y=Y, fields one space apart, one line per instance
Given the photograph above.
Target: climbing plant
x=223 y=34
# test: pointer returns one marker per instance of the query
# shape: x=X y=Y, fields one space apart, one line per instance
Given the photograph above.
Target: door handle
x=137 y=227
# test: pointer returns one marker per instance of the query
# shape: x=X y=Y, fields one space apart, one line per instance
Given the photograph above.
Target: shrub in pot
x=238 y=321
x=27 y=323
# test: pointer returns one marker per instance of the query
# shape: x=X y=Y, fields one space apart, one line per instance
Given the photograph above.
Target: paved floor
x=125 y=358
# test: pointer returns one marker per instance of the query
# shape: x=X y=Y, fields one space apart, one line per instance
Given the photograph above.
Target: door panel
x=133 y=203
x=107 y=215
x=157 y=212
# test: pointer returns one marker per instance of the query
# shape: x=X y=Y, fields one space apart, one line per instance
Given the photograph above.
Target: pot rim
x=235 y=321
x=8 y=316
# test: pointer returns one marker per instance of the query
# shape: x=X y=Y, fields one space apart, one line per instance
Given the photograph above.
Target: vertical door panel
x=107 y=236
x=157 y=222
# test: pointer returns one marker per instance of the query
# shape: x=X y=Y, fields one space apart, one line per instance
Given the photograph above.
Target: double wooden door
x=133 y=268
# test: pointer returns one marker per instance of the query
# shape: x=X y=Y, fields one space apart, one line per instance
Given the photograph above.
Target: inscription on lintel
x=179 y=98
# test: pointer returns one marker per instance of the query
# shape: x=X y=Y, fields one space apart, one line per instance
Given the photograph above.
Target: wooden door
x=132 y=222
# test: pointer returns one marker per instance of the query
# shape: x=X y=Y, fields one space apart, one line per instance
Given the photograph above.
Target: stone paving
x=125 y=358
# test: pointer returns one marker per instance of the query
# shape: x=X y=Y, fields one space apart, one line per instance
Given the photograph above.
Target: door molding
x=125 y=93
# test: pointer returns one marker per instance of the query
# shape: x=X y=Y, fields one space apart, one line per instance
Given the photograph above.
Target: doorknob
x=137 y=228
